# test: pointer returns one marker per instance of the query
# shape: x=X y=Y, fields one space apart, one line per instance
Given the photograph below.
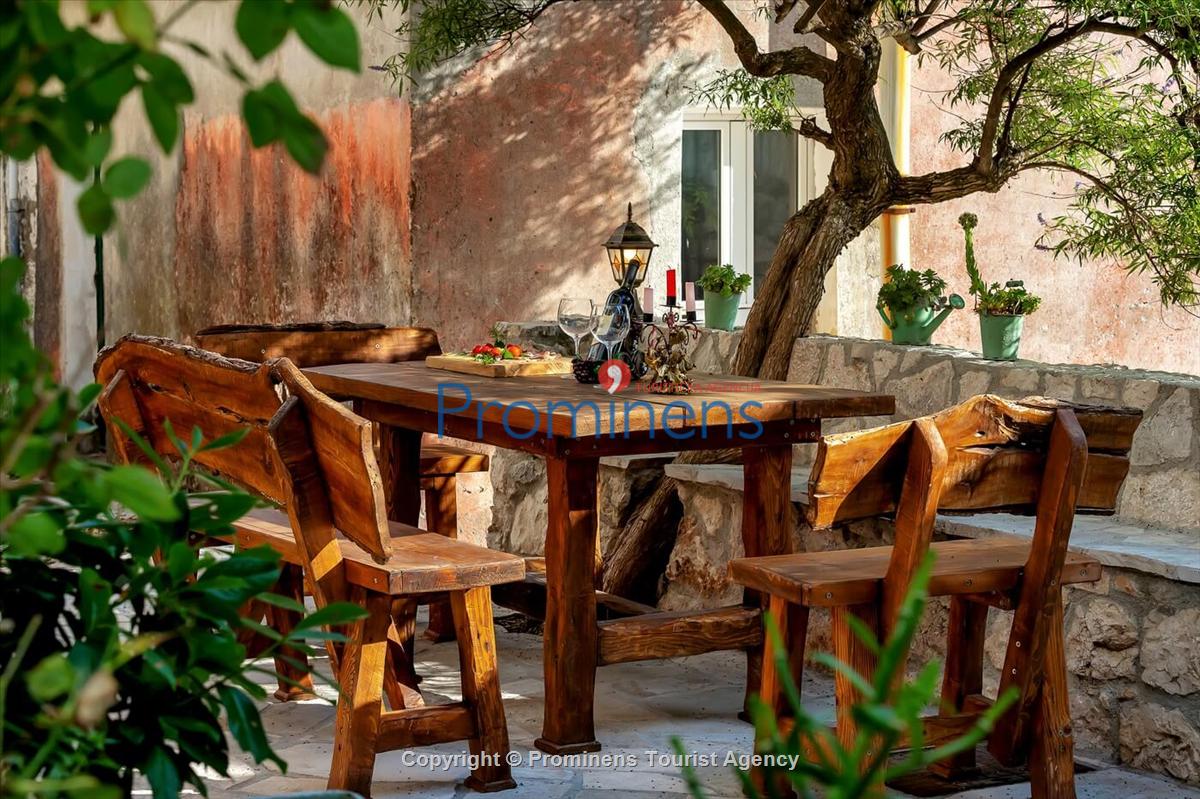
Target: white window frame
x=737 y=185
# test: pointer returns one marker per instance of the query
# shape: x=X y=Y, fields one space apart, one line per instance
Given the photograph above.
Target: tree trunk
x=783 y=308
x=862 y=180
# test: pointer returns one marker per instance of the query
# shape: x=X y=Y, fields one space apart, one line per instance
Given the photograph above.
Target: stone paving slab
x=639 y=707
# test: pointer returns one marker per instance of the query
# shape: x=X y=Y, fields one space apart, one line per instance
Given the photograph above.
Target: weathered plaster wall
x=1091 y=313
x=226 y=233
x=523 y=161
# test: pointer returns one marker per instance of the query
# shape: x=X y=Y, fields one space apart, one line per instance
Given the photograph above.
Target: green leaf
x=181 y=560
x=44 y=23
x=305 y=143
x=246 y=725
x=97 y=147
x=261 y=118
x=332 y=615
x=329 y=33
x=94 y=595
x=162 y=774
x=95 y=210
x=227 y=440
x=271 y=114
x=136 y=21
x=126 y=177
x=168 y=77
x=143 y=493
x=262 y=25
x=160 y=665
x=87 y=395
x=51 y=678
x=214 y=511
x=35 y=535
x=163 y=116
x=280 y=601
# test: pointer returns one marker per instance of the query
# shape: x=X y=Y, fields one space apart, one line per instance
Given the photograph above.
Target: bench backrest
x=305 y=452
x=996 y=450
x=1036 y=456
x=321 y=343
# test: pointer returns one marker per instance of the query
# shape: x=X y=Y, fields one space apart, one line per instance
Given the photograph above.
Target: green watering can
x=916 y=325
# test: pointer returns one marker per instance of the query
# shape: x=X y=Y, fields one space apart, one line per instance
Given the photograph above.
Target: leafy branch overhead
x=63 y=82
x=1105 y=92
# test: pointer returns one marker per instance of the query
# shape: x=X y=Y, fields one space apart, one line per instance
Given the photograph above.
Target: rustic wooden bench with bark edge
x=315 y=458
x=319 y=343
x=1035 y=456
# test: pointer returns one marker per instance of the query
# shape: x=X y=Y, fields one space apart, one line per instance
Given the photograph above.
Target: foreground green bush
x=118 y=637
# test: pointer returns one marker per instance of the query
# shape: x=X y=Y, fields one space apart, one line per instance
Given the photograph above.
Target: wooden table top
x=564 y=407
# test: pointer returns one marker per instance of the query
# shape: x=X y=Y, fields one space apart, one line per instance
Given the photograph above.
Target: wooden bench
x=315 y=458
x=1036 y=456
x=320 y=343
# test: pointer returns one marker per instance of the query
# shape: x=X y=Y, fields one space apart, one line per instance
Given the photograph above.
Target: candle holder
x=667 y=354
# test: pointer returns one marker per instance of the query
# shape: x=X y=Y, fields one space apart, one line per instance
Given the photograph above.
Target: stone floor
x=639 y=707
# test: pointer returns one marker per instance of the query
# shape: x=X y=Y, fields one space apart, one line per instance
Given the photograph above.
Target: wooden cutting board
x=465 y=364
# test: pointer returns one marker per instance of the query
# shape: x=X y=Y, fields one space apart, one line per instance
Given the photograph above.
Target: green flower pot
x=720 y=313
x=1001 y=336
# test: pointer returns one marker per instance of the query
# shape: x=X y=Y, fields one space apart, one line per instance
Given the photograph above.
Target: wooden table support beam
x=677 y=634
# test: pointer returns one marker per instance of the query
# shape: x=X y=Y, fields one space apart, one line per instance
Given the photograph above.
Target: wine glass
x=613 y=328
x=576 y=318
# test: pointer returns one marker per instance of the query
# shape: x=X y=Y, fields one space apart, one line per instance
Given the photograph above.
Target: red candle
x=671 y=287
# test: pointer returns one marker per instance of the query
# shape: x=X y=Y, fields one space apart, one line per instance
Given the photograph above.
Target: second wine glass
x=613 y=327
x=576 y=318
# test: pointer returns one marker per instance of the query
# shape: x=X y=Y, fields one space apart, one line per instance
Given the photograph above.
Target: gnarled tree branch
x=794 y=61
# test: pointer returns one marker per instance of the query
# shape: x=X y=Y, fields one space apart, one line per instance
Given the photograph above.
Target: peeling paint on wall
x=258 y=240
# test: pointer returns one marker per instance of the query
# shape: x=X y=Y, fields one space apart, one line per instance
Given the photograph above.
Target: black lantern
x=629 y=249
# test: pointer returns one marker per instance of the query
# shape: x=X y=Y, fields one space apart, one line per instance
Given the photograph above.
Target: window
x=738 y=188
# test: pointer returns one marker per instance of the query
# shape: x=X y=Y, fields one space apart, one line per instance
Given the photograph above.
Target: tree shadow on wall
x=524 y=160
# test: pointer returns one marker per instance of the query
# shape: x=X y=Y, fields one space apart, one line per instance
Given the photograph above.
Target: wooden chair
x=1036 y=456
x=315 y=457
x=321 y=343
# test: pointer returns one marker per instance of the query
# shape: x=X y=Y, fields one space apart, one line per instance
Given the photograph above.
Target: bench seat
x=421 y=562
x=855 y=576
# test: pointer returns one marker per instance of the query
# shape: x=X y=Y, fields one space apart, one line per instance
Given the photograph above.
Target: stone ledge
x=730 y=476
x=1172 y=554
x=629 y=461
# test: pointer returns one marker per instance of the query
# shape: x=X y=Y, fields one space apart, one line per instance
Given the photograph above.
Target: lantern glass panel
x=620 y=259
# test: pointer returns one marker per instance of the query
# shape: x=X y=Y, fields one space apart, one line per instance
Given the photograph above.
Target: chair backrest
x=321 y=343
x=986 y=454
x=306 y=452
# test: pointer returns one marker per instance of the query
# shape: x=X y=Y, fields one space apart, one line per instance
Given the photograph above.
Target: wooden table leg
x=441 y=516
x=766 y=526
x=571 y=632
x=400 y=465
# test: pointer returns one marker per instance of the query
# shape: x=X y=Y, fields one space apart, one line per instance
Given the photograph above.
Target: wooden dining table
x=572 y=426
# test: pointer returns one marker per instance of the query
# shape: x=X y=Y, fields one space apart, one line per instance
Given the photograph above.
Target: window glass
x=701 y=212
x=775 y=193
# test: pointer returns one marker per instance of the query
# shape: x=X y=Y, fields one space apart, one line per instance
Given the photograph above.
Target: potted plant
x=1001 y=309
x=723 y=289
x=916 y=302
